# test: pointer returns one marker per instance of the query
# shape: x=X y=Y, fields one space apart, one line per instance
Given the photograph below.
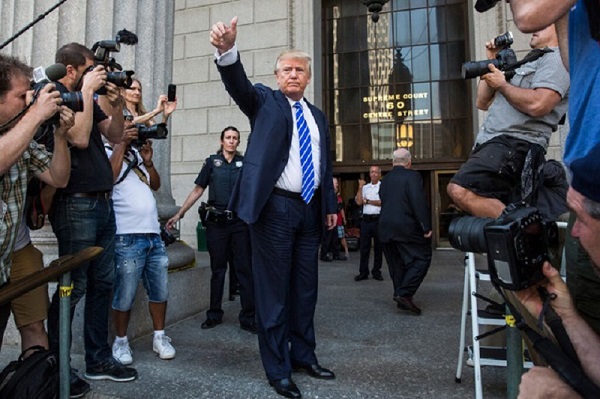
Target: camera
x=167 y=237
x=158 y=131
x=102 y=56
x=505 y=58
x=484 y=5
x=517 y=244
x=72 y=100
x=41 y=77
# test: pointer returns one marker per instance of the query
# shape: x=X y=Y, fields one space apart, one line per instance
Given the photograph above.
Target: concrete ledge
x=188 y=295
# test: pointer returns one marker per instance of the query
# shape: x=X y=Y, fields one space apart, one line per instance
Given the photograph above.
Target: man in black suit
x=405 y=229
x=285 y=193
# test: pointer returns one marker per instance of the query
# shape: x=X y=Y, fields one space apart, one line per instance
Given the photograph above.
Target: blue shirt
x=584 y=106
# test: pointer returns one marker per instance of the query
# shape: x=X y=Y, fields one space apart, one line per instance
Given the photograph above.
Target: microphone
x=52 y=74
x=56 y=72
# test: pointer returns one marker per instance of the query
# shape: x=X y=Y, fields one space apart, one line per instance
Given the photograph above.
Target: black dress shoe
x=286 y=387
x=406 y=303
x=378 y=277
x=315 y=371
x=210 y=323
x=249 y=327
x=361 y=277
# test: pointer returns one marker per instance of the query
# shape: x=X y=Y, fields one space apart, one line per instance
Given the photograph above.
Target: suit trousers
x=369 y=230
x=285 y=244
x=408 y=263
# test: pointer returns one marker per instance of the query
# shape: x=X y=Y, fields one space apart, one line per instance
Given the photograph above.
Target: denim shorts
x=340 y=232
x=139 y=256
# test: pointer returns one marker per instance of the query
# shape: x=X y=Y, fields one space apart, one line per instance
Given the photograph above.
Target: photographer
x=510 y=146
x=21 y=159
x=584 y=200
x=139 y=250
x=578 y=34
x=82 y=213
x=134 y=105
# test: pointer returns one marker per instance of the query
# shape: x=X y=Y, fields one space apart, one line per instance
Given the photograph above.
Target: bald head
x=401 y=157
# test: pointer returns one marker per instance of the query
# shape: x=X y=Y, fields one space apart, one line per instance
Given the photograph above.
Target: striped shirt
x=13 y=188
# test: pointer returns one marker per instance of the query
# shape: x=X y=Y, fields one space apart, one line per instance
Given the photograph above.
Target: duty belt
x=218 y=216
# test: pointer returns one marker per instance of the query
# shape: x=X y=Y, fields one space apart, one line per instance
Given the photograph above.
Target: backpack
x=36 y=376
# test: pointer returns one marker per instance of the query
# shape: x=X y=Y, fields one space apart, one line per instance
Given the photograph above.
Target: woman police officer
x=226 y=235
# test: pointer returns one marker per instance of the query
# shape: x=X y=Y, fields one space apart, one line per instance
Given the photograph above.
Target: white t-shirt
x=371 y=192
x=134 y=203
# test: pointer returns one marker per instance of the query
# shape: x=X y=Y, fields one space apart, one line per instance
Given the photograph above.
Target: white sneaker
x=162 y=346
x=122 y=352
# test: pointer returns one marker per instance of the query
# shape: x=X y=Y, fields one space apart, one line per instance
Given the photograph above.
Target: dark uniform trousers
x=285 y=244
x=369 y=230
x=230 y=240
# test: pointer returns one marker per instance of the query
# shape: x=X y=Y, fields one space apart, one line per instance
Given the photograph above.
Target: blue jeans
x=80 y=223
x=139 y=256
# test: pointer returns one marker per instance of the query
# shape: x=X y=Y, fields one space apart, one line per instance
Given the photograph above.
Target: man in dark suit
x=405 y=229
x=285 y=193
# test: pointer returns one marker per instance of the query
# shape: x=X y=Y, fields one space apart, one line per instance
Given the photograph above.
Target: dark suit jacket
x=269 y=143
x=404 y=214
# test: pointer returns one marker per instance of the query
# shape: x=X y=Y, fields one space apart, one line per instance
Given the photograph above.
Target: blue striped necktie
x=306 y=159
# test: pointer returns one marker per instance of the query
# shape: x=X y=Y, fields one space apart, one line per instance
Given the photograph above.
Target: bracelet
x=149 y=166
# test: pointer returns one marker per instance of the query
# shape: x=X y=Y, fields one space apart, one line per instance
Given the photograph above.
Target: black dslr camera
x=505 y=58
x=72 y=100
x=157 y=131
x=517 y=244
x=102 y=56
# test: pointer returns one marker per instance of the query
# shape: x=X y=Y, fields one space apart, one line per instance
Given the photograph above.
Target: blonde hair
x=287 y=54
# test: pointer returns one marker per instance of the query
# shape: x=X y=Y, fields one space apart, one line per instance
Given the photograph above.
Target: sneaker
x=79 y=388
x=122 y=352
x=112 y=370
x=162 y=346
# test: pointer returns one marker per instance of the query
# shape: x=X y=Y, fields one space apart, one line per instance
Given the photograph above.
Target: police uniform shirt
x=371 y=192
x=220 y=175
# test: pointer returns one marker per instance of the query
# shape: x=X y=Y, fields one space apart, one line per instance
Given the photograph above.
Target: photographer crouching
x=583 y=198
x=524 y=110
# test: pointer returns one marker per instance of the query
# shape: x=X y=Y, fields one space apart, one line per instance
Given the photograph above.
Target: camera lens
x=120 y=79
x=466 y=233
x=504 y=40
x=474 y=69
x=73 y=101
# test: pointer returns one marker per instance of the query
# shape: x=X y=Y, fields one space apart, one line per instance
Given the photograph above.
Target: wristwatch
x=367 y=201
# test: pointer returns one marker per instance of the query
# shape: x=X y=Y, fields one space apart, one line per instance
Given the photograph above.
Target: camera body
x=157 y=131
x=102 y=56
x=504 y=59
x=72 y=100
x=517 y=244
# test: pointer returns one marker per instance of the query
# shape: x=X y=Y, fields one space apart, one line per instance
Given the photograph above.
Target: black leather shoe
x=406 y=303
x=378 y=277
x=361 y=277
x=249 y=327
x=210 y=323
x=315 y=371
x=286 y=387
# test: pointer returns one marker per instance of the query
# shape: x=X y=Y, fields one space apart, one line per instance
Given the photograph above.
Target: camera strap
x=132 y=164
x=562 y=358
x=530 y=57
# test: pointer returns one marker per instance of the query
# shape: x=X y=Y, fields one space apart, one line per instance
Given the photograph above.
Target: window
x=396 y=82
